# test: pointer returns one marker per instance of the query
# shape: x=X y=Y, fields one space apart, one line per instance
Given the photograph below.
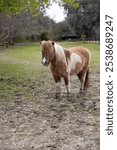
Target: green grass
x=22 y=74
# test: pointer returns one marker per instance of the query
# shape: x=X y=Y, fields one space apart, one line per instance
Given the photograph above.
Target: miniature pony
x=65 y=63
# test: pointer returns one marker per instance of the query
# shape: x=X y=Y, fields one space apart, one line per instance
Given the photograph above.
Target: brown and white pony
x=66 y=62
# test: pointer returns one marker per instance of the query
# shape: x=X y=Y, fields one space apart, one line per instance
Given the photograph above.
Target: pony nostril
x=45 y=62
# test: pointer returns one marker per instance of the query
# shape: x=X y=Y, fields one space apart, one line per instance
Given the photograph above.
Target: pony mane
x=59 y=53
x=46 y=44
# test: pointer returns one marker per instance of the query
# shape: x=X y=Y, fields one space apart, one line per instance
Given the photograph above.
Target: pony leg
x=67 y=84
x=58 y=89
x=82 y=76
x=86 y=83
x=57 y=82
x=84 y=79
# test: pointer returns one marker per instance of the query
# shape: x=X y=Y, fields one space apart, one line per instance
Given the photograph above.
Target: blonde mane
x=59 y=53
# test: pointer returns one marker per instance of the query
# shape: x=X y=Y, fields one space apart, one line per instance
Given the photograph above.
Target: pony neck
x=59 y=54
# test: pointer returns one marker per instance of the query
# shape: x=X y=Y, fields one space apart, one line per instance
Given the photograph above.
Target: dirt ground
x=46 y=123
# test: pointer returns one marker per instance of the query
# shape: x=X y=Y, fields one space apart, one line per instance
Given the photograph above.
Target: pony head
x=47 y=52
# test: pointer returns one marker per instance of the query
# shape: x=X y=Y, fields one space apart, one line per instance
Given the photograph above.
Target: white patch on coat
x=75 y=58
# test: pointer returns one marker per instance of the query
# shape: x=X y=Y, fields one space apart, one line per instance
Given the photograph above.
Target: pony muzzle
x=45 y=62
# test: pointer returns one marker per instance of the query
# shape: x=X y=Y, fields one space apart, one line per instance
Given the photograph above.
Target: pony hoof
x=57 y=96
x=81 y=93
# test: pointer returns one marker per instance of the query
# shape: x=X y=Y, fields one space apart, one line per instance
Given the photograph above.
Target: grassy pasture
x=21 y=71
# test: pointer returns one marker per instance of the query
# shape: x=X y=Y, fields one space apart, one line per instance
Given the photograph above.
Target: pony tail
x=86 y=83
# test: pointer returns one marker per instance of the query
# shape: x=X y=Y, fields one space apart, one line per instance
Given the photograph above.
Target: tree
x=25 y=26
x=5 y=27
x=61 y=29
x=32 y=6
x=17 y=6
x=86 y=19
x=19 y=21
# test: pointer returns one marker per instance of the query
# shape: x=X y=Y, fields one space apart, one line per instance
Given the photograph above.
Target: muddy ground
x=46 y=123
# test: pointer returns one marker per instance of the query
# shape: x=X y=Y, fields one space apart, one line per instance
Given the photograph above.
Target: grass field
x=21 y=69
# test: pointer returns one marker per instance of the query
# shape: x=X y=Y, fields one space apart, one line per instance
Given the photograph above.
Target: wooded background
x=22 y=21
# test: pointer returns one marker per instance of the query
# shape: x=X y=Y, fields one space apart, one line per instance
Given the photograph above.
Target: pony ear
x=41 y=42
x=53 y=43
